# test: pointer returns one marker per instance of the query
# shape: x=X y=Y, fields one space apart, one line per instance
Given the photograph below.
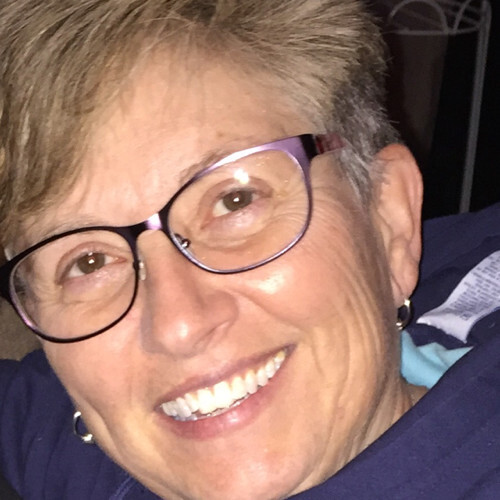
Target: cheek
x=315 y=280
x=331 y=293
x=97 y=371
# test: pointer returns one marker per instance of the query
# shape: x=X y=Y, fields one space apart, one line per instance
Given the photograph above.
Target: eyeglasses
x=235 y=215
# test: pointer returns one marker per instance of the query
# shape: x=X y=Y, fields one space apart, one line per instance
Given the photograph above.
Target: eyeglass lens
x=77 y=284
x=242 y=213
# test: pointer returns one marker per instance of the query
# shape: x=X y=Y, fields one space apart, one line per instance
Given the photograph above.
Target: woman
x=207 y=225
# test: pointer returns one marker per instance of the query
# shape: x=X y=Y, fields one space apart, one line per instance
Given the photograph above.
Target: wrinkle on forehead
x=178 y=126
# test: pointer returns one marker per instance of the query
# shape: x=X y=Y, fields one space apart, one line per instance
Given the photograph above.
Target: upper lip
x=226 y=372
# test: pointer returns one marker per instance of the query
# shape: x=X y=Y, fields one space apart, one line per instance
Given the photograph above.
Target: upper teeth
x=224 y=394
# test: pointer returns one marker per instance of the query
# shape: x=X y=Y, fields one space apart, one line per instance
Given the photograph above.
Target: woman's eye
x=233 y=201
x=88 y=264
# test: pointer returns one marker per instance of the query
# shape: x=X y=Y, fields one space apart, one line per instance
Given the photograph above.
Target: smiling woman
x=208 y=226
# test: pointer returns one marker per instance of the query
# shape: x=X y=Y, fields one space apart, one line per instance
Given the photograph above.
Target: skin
x=332 y=299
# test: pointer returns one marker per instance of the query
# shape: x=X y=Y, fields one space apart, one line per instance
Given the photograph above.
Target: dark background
x=486 y=189
x=430 y=89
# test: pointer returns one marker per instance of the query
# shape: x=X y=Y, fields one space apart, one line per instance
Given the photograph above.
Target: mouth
x=225 y=395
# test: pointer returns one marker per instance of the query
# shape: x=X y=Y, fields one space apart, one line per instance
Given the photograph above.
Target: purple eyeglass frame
x=303 y=148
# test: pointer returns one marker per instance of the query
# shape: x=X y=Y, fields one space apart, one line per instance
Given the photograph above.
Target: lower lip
x=234 y=419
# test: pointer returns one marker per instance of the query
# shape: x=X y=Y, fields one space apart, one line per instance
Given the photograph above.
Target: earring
x=404 y=315
x=86 y=438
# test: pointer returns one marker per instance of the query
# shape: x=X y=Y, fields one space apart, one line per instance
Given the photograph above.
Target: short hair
x=61 y=60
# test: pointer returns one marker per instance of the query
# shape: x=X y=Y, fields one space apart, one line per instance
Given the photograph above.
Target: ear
x=398 y=203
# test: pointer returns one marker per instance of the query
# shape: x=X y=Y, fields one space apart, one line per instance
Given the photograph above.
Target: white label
x=476 y=296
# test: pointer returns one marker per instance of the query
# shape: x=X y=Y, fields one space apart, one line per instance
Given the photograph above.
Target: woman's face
x=320 y=311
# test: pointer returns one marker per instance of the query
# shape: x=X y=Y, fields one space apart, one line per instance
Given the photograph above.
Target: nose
x=184 y=309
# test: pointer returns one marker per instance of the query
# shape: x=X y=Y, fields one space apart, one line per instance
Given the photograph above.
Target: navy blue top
x=446 y=447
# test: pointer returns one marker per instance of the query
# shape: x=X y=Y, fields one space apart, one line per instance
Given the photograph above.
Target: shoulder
x=446 y=447
x=457 y=300
x=31 y=402
x=39 y=454
x=446 y=239
x=27 y=389
x=32 y=365
x=28 y=386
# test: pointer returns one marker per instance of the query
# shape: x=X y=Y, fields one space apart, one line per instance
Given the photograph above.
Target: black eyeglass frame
x=303 y=148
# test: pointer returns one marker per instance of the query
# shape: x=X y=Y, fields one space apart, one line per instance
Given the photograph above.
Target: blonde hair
x=61 y=60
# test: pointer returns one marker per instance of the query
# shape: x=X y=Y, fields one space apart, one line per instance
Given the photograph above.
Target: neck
x=392 y=406
x=396 y=403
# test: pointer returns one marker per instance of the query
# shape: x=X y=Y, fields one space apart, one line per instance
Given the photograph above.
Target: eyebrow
x=34 y=233
x=215 y=155
x=208 y=159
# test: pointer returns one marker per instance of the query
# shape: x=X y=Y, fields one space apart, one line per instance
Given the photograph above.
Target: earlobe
x=398 y=203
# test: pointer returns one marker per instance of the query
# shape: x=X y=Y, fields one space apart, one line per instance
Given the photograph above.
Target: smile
x=227 y=394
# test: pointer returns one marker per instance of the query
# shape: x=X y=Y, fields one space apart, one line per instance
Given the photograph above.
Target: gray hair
x=61 y=60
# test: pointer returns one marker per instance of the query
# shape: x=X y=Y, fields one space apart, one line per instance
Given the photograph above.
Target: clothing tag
x=476 y=296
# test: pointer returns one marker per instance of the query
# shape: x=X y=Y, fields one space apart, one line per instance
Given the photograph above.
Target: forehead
x=161 y=129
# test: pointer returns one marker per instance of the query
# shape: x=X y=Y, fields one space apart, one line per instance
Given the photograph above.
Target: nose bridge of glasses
x=155 y=223
x=158 y=223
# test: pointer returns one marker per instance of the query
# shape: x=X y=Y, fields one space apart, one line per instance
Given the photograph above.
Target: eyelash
x=70 y=259
x=209 y=217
